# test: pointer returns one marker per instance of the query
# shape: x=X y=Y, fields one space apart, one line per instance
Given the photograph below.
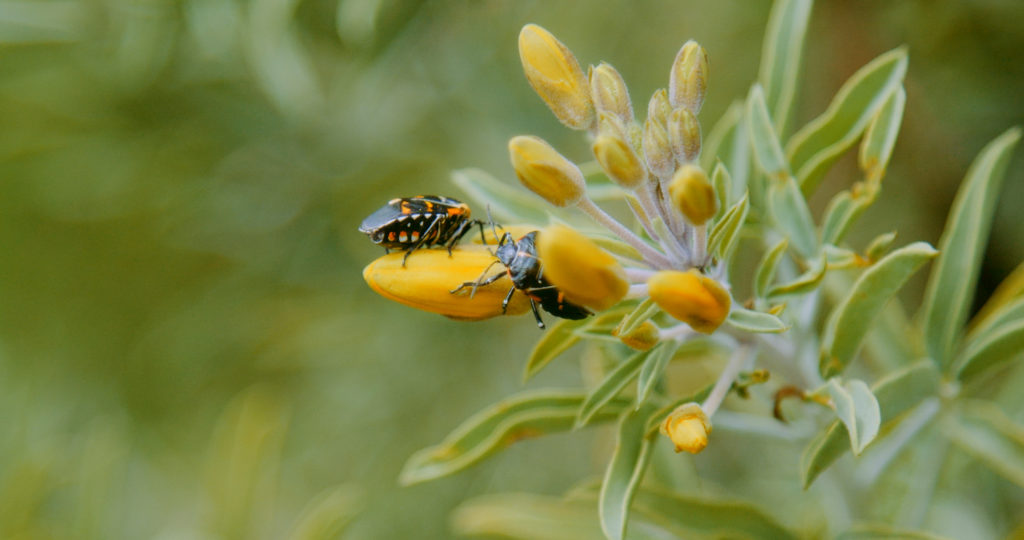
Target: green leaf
x=755 y=321
x=804 y=283
x=763 y=139
x=852 y=317
x=1011 y=288
x=624 y=473
x=529 y=414
x=727 y=141
x=643 y=312
x=896 y=394
x=858 y=410
x=984 y=431
x=506 y=202
x=527 y=517
x=723 y=187
x=998 y=345
x=559 y=338
x=879 y=246
x=840 y=214
x=951 y=285
x=781 y=55
x=790 y=212
x=880 y=137
x=872 y=531
x=613 y=383
x=689 y=516
x=814 y=148
x=725 y=233
x=653 y=367
x=766 y=268
x=328 y=514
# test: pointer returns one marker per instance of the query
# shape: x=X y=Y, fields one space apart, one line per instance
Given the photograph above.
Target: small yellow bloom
x=684 y=135
x=688 y=80
x=688 y=427
x=692 y=193
x=429 y=276
x=657 y=149
x=556 y=76
x=610 y=93
x=582 y=271
x=691 y=297
x=546 y=172
x=642 y=338
x=619 y=161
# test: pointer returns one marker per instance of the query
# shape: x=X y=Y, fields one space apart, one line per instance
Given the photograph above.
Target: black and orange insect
x=410 y=223
x=524 y=268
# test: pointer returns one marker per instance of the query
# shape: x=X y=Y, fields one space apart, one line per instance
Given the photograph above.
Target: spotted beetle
x=523 y=267
x=410 y=223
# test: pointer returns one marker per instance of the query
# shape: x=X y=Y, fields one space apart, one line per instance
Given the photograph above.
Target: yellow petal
x=619 y=161
x=430 y=274
x=691 y=297
x=582 y=271
x=688 y=428
x=556 y=76
x=692 y=193
x=546 y=172
x=642 y=338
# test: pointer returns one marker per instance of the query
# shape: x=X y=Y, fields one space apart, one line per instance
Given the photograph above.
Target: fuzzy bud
x=688 y=428
x=691 y=297
x=657 y=149
x=643 y=338
x=609 y=93
x=556 y=76
x=692 y=193
x=658 y=108
x=620 y=162
x=546 y=172
x=688 y=80
x=684 y=135
x=586 y=274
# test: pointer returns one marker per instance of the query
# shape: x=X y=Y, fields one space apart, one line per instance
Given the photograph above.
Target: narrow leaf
x=852 y=318
x=723 y=187
x=804 y=283
x=858 y=410
x=880 y=137
x=813 y=149
x=1011 y=288
x=997 y=346
x=763 y=139
x=624 y=473
x=781 y=55
x=328 y=514
x=725 y=233
x=896 y=394
x=653 y=367
x=766 y=268
x=506 y=202
x=951 y=285
x=987 y=433
x=790 y=212
x=886 y=532
x=526 y=516
x=879 y=246
x=529 y=414
x=613 y=383
x=559 y=338
x=689 y=516
x=755 y=321
x=643 y=312
x=721 y=136
x=840 y=214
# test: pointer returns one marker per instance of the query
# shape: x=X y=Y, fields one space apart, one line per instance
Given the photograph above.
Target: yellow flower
x=619 y=161
x=429 y=276
x=642 y=338
x=546 y=172
x=687 y=427
x=556 y=76
x=692 y=193
x=688 y=80
x=610 y=93
x=691 y=297
x=582 y=271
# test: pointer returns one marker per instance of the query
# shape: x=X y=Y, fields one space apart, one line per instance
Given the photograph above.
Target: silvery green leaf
x=951 y=285
x=984 y=431
x=780 y=56
x=804 y=283
x=723 y=186
x=640 y=314
x=790 y=212
x=526 y=516
x=857 y=409
x=695 y=516
x=763 y=139
x=766 y=268
x=1000 y=343
x=1008 y=290
x=839 y=258
x=725 y=233
x=813 y=149
x=840 y=214
x=559 y=338
x=506 y=202
x=851 y=319
x=613 y=383
x=653 y=367
x=328 y=514
x=896 y=394
x=755 y=321
x=625 y=471
x=879 y=246
x=529 y=414
x=727 y=141
x=880 y=137
x=881 y=531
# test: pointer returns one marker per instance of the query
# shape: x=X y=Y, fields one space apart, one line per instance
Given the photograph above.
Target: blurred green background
x=187 y=347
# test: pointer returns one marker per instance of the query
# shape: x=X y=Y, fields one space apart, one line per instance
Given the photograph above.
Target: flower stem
x=639 y=274
x=637 y=290
x=725 y=379
x=651 y=255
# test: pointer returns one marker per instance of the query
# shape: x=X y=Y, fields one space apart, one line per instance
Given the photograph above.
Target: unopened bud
x=611 y=126
x=658 y=108
x=546 y=172
x=620 y=162
x=586 y=274
x=609 y=93
x=691 y=297
x=643 y=338
x=429 y=275
x=688 y=428
x=684 y=135
x=688 y=80
x=657 y=150
x=692 y=193
x=556 y=76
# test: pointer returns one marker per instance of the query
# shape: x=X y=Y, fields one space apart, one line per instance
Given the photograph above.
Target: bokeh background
x=187 y=347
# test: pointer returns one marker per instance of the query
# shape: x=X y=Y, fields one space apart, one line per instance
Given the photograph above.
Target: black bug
x=410 y=223
x=524 y=268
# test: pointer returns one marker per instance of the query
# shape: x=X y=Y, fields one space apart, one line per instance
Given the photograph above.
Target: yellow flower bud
x=556 y=76
x=657 y=150
x=618 y=159
x=692 y=193
x=546 y=172
x=691 y=297
x=430 y=274
x=684 y=135
x=610 y=94
x=642 y=338
x=688 y=80
x=688 y=427
x=658 y=108
x=611 y=126
x=586 y=274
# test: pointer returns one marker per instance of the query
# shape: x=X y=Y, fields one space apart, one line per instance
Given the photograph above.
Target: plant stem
x=651 y=255
x=725 y=379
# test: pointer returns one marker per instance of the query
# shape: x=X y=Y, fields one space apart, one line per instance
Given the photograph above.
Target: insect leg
x=422 y=240
x=536 y=314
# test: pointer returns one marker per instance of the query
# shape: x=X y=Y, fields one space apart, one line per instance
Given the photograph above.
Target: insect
x=410 y=223
x=524 y=268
